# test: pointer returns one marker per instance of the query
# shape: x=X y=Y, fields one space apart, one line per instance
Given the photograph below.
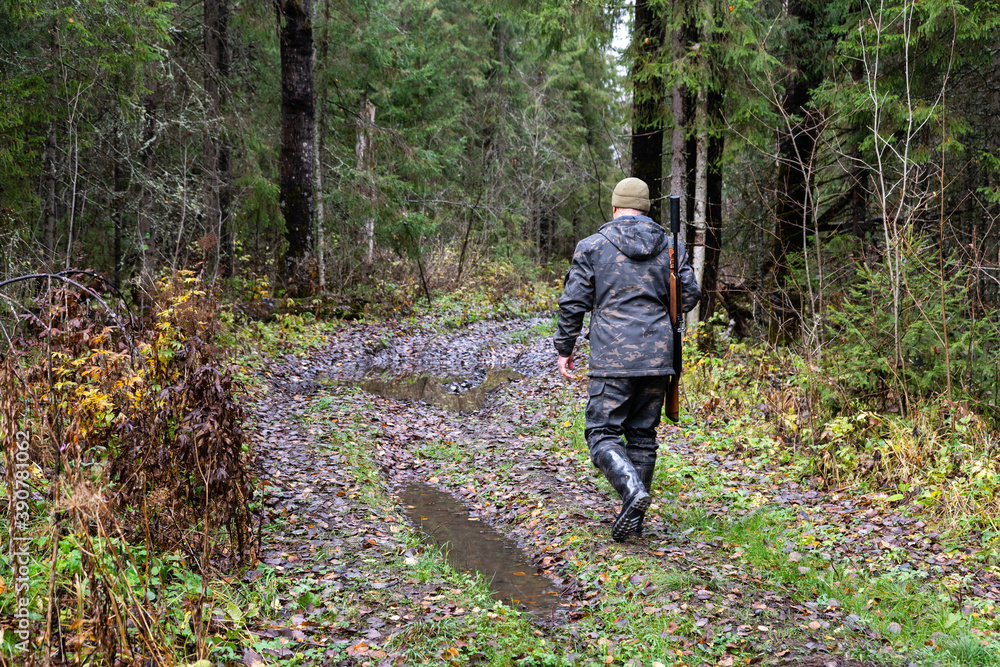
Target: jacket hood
x=636 y=236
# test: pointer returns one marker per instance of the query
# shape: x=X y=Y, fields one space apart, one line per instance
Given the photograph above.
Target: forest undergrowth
x=129 y=483
x=769 y=403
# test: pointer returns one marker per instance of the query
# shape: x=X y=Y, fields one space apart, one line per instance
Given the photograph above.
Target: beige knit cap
x=631 y=193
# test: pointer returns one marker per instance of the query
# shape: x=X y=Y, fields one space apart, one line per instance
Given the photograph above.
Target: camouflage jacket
x=622 y=274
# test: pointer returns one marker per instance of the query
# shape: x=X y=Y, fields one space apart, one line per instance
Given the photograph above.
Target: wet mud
x=452 y=394
x=472 y=546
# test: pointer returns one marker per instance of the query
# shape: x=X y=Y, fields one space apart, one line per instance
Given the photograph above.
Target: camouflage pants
x=625 y=407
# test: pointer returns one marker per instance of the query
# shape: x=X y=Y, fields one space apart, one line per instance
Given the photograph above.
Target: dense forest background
x=146 y=137
x=837 y=160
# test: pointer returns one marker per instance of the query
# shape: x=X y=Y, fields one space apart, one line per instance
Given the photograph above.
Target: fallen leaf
x=252 y=659
x=357 y=649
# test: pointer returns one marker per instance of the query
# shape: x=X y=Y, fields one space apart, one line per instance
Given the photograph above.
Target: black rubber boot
x=626 y=481
x=646 y=475
x=642 y=453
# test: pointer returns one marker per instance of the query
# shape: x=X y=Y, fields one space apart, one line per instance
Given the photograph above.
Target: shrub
x=136 y=451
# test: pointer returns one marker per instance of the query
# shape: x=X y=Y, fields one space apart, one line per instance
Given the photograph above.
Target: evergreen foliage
x=487 y=125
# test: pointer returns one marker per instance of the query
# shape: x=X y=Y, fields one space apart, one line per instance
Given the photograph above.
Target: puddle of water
x=473 y=546
x=442 y=392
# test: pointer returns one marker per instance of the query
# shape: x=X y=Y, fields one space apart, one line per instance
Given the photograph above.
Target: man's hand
x=565 y=366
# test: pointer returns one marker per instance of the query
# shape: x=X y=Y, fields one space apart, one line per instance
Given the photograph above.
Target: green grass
x=254 y=346
x=440 y=450
x=879 y=600
x=529 y=334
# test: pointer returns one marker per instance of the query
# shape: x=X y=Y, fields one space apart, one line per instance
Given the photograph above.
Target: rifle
x=673 y=403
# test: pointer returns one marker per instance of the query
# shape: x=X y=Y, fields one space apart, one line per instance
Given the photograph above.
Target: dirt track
x=502 y=462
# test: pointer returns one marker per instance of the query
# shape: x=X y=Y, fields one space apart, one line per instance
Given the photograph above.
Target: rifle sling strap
x=673 y=289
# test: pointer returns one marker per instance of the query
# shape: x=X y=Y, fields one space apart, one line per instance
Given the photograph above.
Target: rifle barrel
x=676 y=313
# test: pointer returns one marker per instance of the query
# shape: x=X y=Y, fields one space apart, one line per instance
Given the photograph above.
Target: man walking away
x=622 y=275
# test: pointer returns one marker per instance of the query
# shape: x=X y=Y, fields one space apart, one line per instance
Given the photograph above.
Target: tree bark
x=713 y=231
x=708 y=239
x=297 y=141
x=795 y=150
x=218 y=181
x=366 y=162
x=697 y=248
x=147 y=235
x=796 y=145
x=51 y=154
x=320 y=212
x=228 y=256
x=679 y=110
x=50 y=194
x=648 y=102
x=678 y=159
x=691 y=172
x=118 y=212
x=318 y=163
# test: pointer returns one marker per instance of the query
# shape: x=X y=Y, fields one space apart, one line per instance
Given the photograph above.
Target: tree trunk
x=226 y=252
x=678 y=154
x=687 y=37
x=318 y=163
x=49 y=198
x=118 y=214
x=73 y=165
x=297 y=139
x=697 y=248
x=795 y=150
x=210 y=204
x=648 y=101
x=225 y=174
x=679 y=111
x=218 y=188
x=50 y=194
x=147 y=237
x=320 y=213
x=713 y=232
x=366 y=162
x=691 y=181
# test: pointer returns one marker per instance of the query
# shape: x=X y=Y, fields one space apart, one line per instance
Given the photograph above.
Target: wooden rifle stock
x=673 y=402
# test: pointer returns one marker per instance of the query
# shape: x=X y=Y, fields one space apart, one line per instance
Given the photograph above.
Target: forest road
x=338 y=553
